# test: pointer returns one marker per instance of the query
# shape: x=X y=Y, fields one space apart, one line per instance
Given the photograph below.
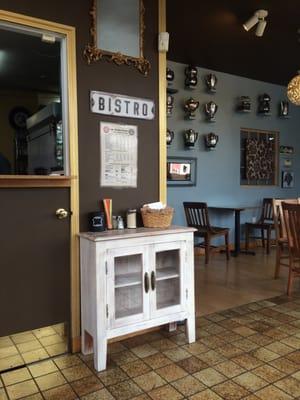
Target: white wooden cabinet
x=134 y=279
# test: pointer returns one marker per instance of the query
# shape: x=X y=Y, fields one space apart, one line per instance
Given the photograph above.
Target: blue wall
x=218 y=171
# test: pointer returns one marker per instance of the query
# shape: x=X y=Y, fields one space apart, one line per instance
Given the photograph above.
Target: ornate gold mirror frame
x=92 y=53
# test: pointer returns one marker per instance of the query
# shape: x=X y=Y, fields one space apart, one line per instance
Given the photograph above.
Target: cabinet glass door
x=167 y=279
x=127 y=287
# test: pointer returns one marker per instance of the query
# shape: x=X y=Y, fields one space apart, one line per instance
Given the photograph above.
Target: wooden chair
x=197 y=217
x=291 y=215
x=282 y=254
x=265 y=223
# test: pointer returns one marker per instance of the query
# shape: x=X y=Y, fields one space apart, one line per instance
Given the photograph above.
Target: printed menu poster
x=118 y=155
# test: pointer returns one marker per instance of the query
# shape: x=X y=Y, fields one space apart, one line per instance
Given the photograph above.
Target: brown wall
x=111 y=78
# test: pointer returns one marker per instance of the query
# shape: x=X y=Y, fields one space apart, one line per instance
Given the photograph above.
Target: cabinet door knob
x=153 y=279
x=146 y=282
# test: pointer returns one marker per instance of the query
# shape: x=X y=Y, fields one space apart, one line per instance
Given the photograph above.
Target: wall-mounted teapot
x=190 y=138
x=190 y=106
x=211 y=140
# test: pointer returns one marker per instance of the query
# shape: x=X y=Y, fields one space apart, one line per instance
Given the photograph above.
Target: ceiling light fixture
x=259 y=19
x=293 y=90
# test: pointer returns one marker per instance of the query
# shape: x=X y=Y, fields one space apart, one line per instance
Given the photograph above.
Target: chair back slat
x=291 y=214
x=196 y=214
x=267 y=211
x=279 y=223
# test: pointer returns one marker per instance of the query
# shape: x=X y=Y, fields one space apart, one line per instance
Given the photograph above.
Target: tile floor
x=31 y=346
x=247 y=352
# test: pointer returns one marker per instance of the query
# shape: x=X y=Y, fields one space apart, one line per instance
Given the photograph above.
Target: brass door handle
x=61 y=213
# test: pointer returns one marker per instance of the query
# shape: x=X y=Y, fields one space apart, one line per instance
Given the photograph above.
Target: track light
x=258 y=18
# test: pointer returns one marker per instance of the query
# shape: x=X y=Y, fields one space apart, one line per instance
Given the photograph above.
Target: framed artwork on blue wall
x=287 y=179
x=181 y=171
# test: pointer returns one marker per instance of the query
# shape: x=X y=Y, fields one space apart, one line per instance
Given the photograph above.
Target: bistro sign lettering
x=121 y=106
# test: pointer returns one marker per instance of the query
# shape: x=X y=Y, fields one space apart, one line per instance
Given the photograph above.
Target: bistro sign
x=121 y=106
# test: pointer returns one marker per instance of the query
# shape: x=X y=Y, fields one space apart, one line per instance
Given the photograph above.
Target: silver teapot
x=210 y=110
x=170 y=137
x=211 y=140
x=283 y=108
x=190 y=107
x=170 y=105
x=190 y=138
x=211 y=81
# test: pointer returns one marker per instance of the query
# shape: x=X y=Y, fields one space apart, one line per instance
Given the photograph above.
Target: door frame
x=72 y=180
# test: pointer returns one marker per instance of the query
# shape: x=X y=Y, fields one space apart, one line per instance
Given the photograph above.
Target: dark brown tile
x=166 y=392
x=230 y=391
x=289 y=385
x=125 y=390
x=112 y=376
x=64 y=392
x=86 y=385
x=135 y=368
x=284 y=365
x=76 y=372
x=192 y=364
x=268 y=373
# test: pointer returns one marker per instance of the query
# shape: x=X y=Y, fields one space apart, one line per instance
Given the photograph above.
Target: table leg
x=237 y=236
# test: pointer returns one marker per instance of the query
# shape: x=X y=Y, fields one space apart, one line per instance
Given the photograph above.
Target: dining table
x=237 y=226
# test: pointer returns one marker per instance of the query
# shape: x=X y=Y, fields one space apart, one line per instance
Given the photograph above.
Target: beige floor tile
x=158 y=360
x=28 y=346
x=188 y=385
x=247 y=361
x=230 y=351
x=3 y=395
x=87 y=385
x=42 y=368
x=196 y=348
x=230 y=391
x=8 y=351
x=5 y=341
x=22 y=389
x=67 y=361
x=12 y=377
x=112 y=376
x=250 y=381
x=279 y=348
x=11 y=362
x=35 y=355
x=165 y=393
x=56 y=349
x=289 y=385
x=212 y=342
x=268 y=373
x=102 y=394
x=171 y=372
x=43 y=332
x=179 y=339
x=284 y=365
x=272 y=393
x=126 y=390
x=192 y=364
x=23 y=337
x=123 y=357
x=135 y=368
x=206 y=395
x=264 y=354
x=211 y=357
x=295 y=357
x=260 y=339
x=50 y=381
x=76 y=372
x=149 y=381
x=209 y=377
x=52 y=339
x=177 y=354
x=145 y=350
x=64 y=392
x=229 y=369
x=36 y=396
x=163 y=344
x=245 y=345
x=244 y=331
x=292 y=341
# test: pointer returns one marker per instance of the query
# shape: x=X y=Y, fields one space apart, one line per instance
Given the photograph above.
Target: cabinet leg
x=86 y=343
x=100 y=354
x=172 y=326
x=191 y=329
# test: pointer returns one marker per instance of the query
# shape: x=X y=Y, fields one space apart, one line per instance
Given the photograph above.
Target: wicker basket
x=157 y=218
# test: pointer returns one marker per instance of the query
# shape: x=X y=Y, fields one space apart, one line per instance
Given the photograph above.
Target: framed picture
x=286 y=150
x=181 y=171
x=287 y=179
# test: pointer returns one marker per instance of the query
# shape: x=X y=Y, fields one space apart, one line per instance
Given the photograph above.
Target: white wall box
x=134 y=279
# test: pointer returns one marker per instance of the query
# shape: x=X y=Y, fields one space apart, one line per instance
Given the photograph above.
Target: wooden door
x=34 y=259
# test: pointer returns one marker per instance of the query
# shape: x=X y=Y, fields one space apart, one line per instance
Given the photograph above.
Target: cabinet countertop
x=116 y=234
